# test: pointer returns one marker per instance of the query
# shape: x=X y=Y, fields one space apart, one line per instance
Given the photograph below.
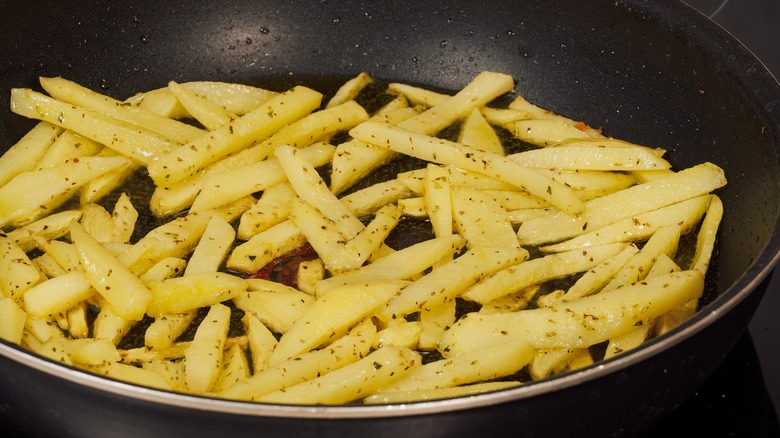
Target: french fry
x=74 y=94
x=203 y=360
x=208 y=113
x=405 y=334
x=705 y=241
x=664 y=241
x=351 y=382
x=481 y=220
x=127 y=139
x=273 y=207
x=235 y=368
x=68 y=146
x=331 y=315
x=548 y=362
x=546 y=132
x=433 y=322
x=17 y=272
x=519 y=276
x=310 y=272
x=77 y=321
x=93 y=352
x=579 y=323
x=23 y=200
x=592 y=158
x=171 y=372
x=186 y=160
x=96 y=189
x=262 y=248
x=261 y=342
x=438 y=200
x=370 y=199
x=12 y=320
x=629 y=340
x=182 y=294
x=165 y=329
x=213 y=247
x=477 y=133
x=238 y=99
x=437 y=394
x=447 y=152
x=110 y=325
x=277 y=308
x=350 y=89
x=97 y=222
x=638 y=199
x=24 y=154
x=52 y=226
x=57 y=294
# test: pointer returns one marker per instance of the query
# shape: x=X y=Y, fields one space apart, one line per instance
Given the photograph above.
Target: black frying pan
x=656 y=73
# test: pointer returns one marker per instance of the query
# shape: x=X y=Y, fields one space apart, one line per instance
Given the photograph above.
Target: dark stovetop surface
x=742 y=398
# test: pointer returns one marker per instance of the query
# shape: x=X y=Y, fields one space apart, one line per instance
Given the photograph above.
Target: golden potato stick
x=515 y=200
x=42 y=328
x=437 y=394
x=352 y=382
x=63 y=253
x=591 y=158
x=235 y=368
x=124 y=216
x=512 y=302
x=24 y=199
x=310 y=187
x=96 y=189
x=91 y=351
x=664 y=241
x=331 y=315
x=579 y=323
x=474 y=366
x=182 y=294
x=68 y=146
x=97 y=222
x=417 y=95
x=629 y=340
x=111 y=279
x=413 y=207
x=238 y=99
x=57 y=294
x=535 y=271
x=481 y=220
x=77 y=321
x=504 y=117
x=24 y=154
x=12 y=320
x=635 y=200
x=404 y=334
x=176 y=238
x=643 y=176
x=213 y=247
x=434 y=321
x=262 y=248
x=521 y=104
x=477 y=133
x=277 y=310
x=402 y=264
x=310 y=272
x=17 y=272
x=187 y=160
x=449 y=280
x=485 y=87
x=549 y=362
x=52 y=226
x=437 y=200
x=350 y=89
x=447 y=152
x=224 y=187
x=133 y=374
x=273 y=207
x=110 y=325
x=356 y=251
x=165 y=268
x=598 y=277
x=74 y=94
x=370 y=199
x=208 y=113
x=48 y=266
x=355 y=159
x=163 y=332
x=261 y=342
x=127 y=139
x=343 y=351
x=546 y=132
x=203 y=360
x=590 y=184
x=171 y=371
x=640 y=227
x=705 y=241
x=321 y=233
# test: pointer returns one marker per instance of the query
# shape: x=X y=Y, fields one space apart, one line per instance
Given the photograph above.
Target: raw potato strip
x=535 y=271
x=447 y=152
x=351 y=382
x=331 y=315
x=591 y=158
x=208 y=113
x=579 y=323
x=74 y=94
x=127 y=139
x=111 y=279
x=437 y=394
x=448 y=280
x=350 y=89
x=186 y=160
x=49 y=227
x=311 y=188
x=304 y=367
x=635 y=200
x=479 y=365
x=640 y=227
x=17 y=272
x=24 y=199
x=402 y=264
x=24 y=154
x=203 y=360
x=226 y=187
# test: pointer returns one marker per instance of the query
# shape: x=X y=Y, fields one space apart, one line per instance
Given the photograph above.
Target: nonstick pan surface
x=656 y=73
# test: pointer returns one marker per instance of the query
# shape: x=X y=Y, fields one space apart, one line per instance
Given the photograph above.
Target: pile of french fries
x=237 y=173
